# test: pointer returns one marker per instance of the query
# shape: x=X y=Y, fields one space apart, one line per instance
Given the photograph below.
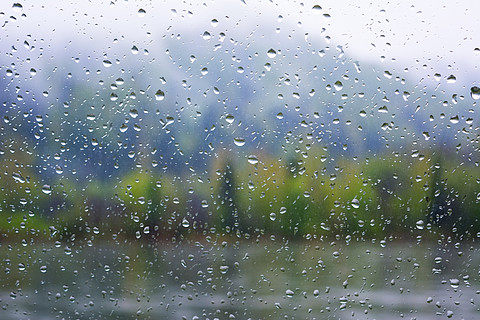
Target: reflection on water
x=229 y=279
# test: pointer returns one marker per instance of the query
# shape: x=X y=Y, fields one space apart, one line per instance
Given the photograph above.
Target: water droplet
x=204 y=71
x=17 y=7
x=134 y=50
x=223 y=269
x=133 y=113
x=240 y=142
x=271 y=53
x=185 y=223
x=289 y=293
x=142 y=13
x=316 y=8
x=475 y=93
x=46 y=189
x=43 y=269
x=229 y=118
x=252 y=159
x=454 y=120
x=280 y=116
x=159 y=95
x=454 y=283
x=273 y=216
x=58 y=169
x=107 y=63
x=420 y=224
x=355 y=203
x=338 y=85
x=451 y=79
x=206 y=35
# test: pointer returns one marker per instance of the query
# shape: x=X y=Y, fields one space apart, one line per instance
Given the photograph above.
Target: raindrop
x=280 y=116
x=142 y=13
x=273 y=216
x=271 y=53
x=252 y=159
x=475 y=93
x=454 y=283
x=46 y=189
x=159 y=95
x=134 y=50
x=206 y=35
x=229 y=118
x=451 y=79
x=420 y=224
x=355 y=203
x=223 y=269
x=316 y=8
x=107 y=63
x=289 y=293
x=240 y=142
x=17 y=7
x=338 y=85
x=204 y=71
x=454 y=120
x=185 y=223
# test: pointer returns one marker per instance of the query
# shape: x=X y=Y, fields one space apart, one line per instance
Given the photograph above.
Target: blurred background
x=147 y=124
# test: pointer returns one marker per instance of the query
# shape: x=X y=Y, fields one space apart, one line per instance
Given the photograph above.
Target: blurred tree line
x=311 y=194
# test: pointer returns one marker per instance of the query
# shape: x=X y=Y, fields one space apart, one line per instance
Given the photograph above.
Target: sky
x=418 y=38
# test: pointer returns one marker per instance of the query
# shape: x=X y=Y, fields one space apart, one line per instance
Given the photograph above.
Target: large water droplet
x=223 y=269
x=475 y=93
x=338 y=85
x=160 y=95
x=47 y=189
x=420 y=224
x=316 y=8
x=17 y=7
x=271 y=53
x=355 y=203
x=252 y=159
x=107 y=63
x=273 y=216
x=142 y=13
x=239 y=142
x=185 y=223
x=454 y=283
x=229 y=118
x=451 y=79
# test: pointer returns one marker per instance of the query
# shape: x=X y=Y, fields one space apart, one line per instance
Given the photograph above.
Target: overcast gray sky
x=427 y=36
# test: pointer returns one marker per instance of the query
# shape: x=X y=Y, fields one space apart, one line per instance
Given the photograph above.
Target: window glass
x=239 y=160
